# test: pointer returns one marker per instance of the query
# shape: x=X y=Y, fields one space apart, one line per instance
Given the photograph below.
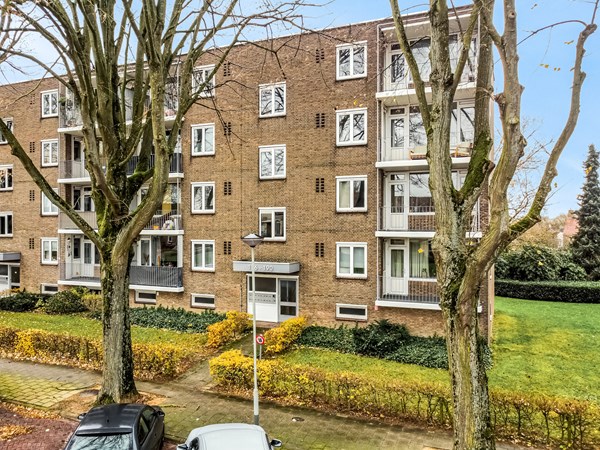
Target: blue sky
x=547 y=91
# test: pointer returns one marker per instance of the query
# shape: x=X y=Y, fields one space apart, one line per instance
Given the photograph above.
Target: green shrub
x=20 y=301
x=93 y=303
x=379 y=338
x=538 y=263
x=65 y=302
x=426 y=352
x=553 y=291
x=340 y=339
x=177 y=319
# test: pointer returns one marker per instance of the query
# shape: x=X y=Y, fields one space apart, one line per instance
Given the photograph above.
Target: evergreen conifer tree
x=586 y=243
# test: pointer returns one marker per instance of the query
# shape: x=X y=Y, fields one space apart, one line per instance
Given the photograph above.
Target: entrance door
x=396 y=217
x=396 y=274
x=4 y=278
x=87 y=268
x=288 y=298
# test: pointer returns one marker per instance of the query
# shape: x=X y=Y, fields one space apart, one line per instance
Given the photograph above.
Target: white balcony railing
x=65 y=223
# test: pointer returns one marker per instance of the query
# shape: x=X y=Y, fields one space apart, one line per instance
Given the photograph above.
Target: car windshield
x=102 y=442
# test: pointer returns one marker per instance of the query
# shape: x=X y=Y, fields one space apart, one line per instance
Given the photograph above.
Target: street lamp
x=252 y=240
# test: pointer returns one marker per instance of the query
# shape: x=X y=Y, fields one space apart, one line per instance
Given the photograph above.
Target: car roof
x=107 y=419
x=239 y=436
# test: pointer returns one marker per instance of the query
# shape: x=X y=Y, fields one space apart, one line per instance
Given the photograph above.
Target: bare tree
x=117 y=59
x=461 y=264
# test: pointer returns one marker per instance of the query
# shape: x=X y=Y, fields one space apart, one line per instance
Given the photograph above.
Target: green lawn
x=547 y=347
x=541 y=347
x=80 y=326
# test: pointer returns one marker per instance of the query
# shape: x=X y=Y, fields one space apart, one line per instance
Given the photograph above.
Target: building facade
x=320 y=149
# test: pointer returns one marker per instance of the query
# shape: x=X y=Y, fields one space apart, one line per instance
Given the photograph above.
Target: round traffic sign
x=260 y=339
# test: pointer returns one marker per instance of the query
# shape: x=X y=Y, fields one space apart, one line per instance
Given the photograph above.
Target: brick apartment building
x=321 y=151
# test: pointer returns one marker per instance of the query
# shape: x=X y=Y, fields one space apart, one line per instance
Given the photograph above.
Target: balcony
x=65 y=223
x=70 y=169
x=422 y=218
x=69 y=115
x=399 y=157
x=89 y=274
x=407 y=293
x=176 y=166
x=165 y=221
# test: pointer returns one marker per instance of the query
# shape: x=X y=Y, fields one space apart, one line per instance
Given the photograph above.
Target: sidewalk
x=189 y=405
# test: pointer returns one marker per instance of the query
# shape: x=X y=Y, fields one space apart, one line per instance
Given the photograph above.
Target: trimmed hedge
x=555 y=421
x=151 y=361
x=554 y=291
x=280 y=338
x=177 y=319
x=232 y=328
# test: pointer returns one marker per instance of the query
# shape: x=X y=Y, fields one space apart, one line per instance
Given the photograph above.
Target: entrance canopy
x=266 y=267
x=10 y=257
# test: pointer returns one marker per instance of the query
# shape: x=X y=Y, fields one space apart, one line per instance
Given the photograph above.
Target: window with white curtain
x=422 y=264
x=351 y=260
x=203 y=256
x=351 y=193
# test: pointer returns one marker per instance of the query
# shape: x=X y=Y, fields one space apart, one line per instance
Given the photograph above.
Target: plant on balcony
x=117 y=59
x=462 y=264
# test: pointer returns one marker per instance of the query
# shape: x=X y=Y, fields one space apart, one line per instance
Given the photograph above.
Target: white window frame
x=45 y=94
x=350 y=46
x=46 y=203
x=272 y=87
x=49 y=241
x=203 y=267
x=45 y=286
x=9 y=124
x=339 y=315
x=351 y=179
x=352 y=246
x=203 y=127
x=204 y=210
x=194 y=303
x=209 y=90
x=145 y=301
x=8 y=179
x=272 y=149
x=272 y=211
x=351 y=113
x=48 y=143
x=5 y=215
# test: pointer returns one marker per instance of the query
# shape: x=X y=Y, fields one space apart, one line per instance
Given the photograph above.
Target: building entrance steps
x=188 y=405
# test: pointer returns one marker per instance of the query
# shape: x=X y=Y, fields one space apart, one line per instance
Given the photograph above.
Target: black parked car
x=119 y=427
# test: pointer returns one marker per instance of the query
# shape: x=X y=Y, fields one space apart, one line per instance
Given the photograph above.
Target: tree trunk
x=472 y=422
x=117 y=369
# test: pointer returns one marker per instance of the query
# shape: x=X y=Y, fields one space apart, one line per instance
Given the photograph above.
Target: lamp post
x=252 y=240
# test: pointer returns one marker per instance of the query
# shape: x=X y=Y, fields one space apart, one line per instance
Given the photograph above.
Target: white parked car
x=228 y=436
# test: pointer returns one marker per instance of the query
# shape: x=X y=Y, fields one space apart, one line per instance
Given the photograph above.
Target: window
x=462 y=125
x=50 y=103
x=422 y=264
x=272 y=100
x=50 y=153
x=49 y=251
x=352 y=61
x=203 y=198
x=48 y=208
x=351 y=260
x=146 y=297
x=272 y=162
x=9 y=125
x=6 y=178
x=203 y=256
x=272 y=223
x=420 y=50
x=6 y=224
x=420 y=200
x=203 y=139
x=351 y=193
x=48 y=288
x=353 y=312
x=201 y=76
x=352 y=127
x=203 y=301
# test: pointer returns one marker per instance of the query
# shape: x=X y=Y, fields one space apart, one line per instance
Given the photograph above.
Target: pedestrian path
x=188 y=404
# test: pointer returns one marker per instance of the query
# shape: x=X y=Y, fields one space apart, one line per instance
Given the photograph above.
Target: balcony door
x=84 y=258
x=396 y=268
x=396 y=202
x=396 y=135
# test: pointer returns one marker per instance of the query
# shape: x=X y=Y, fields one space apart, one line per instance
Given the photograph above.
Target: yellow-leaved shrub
x=233 y=327
x=280 y=338
x=151 y=361
x=564 y=423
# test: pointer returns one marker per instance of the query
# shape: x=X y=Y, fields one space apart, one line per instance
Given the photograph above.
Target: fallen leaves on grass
x=12 y=431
